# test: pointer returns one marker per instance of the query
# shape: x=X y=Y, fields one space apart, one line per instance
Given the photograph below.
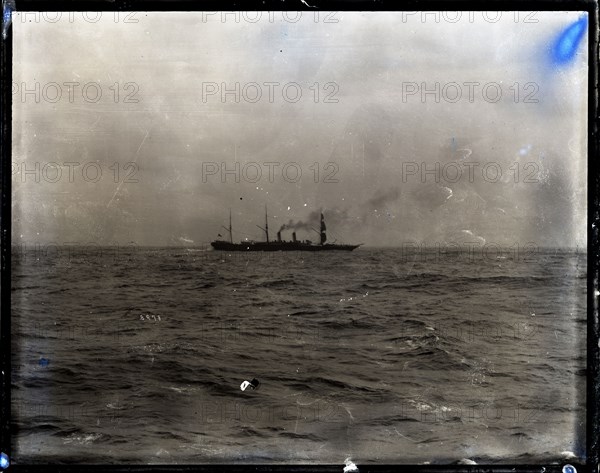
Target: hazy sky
x=379 y=130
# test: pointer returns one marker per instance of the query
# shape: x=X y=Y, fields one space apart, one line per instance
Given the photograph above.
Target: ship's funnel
x=279 y=237
x=294 y=236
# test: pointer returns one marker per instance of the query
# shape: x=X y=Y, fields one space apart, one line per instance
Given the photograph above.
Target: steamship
x=279 y=244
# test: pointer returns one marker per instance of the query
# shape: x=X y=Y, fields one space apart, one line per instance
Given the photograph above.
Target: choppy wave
x=364 y=355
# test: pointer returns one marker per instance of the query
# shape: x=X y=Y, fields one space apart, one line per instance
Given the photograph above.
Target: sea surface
x=379 y=355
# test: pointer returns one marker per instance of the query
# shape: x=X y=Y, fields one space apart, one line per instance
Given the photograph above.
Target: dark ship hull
x=279 y=246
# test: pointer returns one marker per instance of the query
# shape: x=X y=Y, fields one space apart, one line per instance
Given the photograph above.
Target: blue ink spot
x=565 y=46
x=4 y=461
x=44 y=362
x=9 y=7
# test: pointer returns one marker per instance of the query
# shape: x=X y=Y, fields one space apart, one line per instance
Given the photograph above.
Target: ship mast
x=266 y=229
x=266 y=224
x=229 y=229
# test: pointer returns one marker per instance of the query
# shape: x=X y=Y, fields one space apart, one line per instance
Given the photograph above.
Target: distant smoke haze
x=382 y=198
x=301 y=225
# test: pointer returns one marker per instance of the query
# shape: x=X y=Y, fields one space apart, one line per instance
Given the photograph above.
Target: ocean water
x=379 y=355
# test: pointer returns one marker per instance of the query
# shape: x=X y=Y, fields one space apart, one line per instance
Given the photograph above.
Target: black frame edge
x=593 y=258
x=593 y=326
x=5 y=238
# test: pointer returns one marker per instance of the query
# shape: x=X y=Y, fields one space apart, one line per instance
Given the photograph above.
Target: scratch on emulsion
x=135 y=161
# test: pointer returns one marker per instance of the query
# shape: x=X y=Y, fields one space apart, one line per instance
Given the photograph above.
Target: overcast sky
x=377 y=128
